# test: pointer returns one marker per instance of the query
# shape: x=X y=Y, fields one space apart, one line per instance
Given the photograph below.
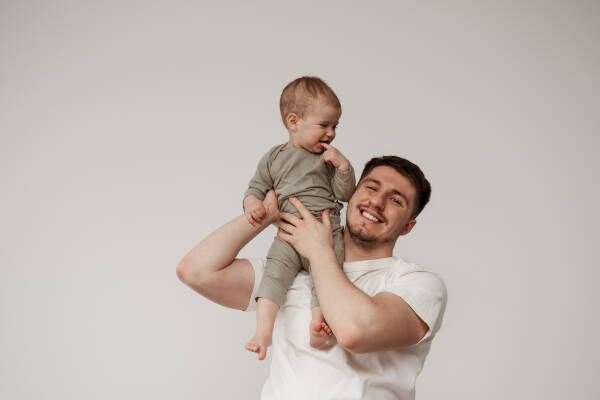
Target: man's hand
x=333 y=156
x=255 y=210
x=308 y=236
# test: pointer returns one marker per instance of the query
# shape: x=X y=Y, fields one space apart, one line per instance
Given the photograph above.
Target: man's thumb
x=325 y=217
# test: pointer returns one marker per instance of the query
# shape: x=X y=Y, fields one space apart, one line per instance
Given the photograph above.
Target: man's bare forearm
x=347 y=309
x=360 y=322
x=212 y=270
x=218 y=249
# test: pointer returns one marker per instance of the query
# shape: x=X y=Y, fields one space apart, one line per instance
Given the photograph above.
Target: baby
x=309 y=168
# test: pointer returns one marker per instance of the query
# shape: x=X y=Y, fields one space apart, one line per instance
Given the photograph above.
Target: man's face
x=381 y=208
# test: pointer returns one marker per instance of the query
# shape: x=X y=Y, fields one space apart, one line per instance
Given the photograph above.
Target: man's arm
x=211 y=267
x=361 y=323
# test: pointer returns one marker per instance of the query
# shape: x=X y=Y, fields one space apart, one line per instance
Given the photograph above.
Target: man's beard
x=365 y=241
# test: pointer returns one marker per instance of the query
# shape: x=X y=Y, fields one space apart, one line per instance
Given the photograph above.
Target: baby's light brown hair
x=301 y=93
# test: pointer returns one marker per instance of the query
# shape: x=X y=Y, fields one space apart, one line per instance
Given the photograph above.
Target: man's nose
x=378 y=200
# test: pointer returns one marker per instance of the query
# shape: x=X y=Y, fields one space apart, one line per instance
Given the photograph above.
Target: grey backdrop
x=129 y=130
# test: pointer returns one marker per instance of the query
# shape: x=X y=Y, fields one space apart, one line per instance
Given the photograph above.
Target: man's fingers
x=288 y=228
x=301 y=208
x=285 y=236
x=291 y=218
x=327 y=146
x=325 y=217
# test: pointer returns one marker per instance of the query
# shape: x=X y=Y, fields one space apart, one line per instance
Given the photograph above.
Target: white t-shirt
x=300 y=372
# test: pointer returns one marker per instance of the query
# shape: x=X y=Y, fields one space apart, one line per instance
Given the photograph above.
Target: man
x=382 y=311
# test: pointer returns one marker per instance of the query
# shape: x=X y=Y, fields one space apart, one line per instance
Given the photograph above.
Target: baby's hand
x=254 y=210
x=334 y=157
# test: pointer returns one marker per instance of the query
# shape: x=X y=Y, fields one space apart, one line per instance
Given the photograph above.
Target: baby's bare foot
x=259 y=344
x=319 y=334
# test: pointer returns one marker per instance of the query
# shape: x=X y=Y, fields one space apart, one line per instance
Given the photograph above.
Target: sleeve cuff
x=255 y=192
x=258 y=264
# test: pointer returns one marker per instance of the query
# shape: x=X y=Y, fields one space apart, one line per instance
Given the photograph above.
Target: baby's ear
x=291 y=121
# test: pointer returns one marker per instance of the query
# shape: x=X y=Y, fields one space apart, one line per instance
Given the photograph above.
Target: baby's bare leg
x=266 y=312
x=319 y=330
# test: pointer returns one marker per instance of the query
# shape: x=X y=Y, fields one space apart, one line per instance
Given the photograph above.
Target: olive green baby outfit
x=296 y=172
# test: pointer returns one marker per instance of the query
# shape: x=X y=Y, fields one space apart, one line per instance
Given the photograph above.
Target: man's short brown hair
x=409 y=170
x=299 y=94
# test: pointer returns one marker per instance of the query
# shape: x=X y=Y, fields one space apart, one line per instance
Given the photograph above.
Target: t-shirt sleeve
x=258 y=265
x=425 y=293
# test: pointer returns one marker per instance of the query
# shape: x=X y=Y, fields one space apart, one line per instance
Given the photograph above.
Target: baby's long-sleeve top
x=296 y=172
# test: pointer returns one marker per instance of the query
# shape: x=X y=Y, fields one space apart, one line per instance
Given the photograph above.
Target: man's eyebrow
x=372 y=180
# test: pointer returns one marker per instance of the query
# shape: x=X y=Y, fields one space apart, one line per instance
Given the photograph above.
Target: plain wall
x=130 y=129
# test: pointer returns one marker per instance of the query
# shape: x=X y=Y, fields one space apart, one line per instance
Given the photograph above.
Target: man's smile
x=371 y=216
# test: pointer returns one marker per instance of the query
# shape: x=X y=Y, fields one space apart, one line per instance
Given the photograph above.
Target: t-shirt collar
x=369 y=265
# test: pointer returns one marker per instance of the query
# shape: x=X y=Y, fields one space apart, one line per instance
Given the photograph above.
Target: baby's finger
x=258 y=222
x=249 y=218
x=258 y=217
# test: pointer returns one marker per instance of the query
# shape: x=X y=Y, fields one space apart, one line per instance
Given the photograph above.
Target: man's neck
x=355 y=250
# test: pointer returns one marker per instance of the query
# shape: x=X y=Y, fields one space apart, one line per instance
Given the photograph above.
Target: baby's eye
x=323 y=125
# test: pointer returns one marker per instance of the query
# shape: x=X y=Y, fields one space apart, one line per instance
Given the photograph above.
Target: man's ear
x=292 y=122
x=408 y=227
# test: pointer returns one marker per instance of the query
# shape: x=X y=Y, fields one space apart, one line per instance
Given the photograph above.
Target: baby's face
x=316 y=127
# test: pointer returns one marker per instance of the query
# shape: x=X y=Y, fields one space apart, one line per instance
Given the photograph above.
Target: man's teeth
x=369 y=216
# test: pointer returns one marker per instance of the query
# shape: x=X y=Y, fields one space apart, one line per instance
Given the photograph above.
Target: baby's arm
x=343 y=180
x=261 y=182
